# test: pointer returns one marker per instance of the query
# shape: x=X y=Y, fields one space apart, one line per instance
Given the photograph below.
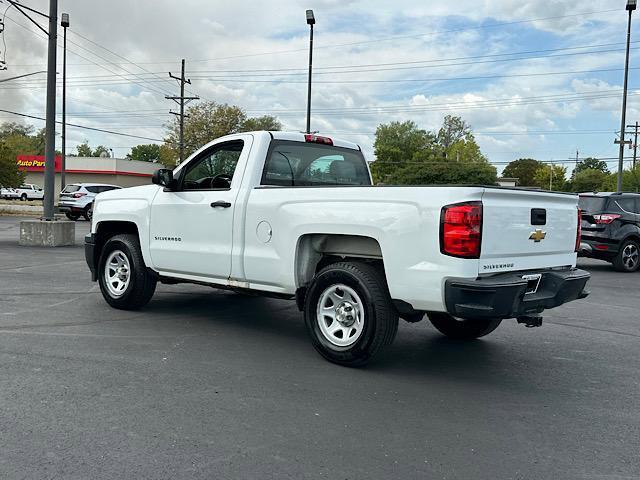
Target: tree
x=266 y=122
x=395 y=146
x=84 y=150
x=17 y=139
x=101 y=151
x=453 y=130
x=591 y=164
x=588 y=180
x=630 y=181
x=542 y=177
x=145 y=153
x=207 y=121
x=524 y=169
x=407 y=155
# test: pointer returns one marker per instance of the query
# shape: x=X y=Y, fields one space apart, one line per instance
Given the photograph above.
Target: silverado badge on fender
x=538 y=236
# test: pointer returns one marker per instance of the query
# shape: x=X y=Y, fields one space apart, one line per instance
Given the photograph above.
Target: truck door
x=191 y=228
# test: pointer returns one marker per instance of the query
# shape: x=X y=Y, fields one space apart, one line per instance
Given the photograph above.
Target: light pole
x=311 y=20
x=631 y=6
x=65 y=24
x=21 y=76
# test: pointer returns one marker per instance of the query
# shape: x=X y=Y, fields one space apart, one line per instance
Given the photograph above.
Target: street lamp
x=65 y=24
x=311 y=20
x=631 y=6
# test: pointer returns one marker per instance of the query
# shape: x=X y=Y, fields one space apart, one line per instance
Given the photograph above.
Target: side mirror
x=164 y=178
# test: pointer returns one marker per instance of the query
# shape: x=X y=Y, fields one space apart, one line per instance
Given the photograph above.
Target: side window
x=627 y=204
x=93 y=189
x=214 y=169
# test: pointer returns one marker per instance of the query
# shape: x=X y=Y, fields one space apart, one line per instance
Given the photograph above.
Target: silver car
x=76 y=200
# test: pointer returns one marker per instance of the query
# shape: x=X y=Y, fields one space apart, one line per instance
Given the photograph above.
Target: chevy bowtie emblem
x=538 y=236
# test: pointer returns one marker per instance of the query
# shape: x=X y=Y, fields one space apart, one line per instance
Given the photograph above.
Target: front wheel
x=628 y=258
x=23 y=197
x=124 y=280
x=88 y=212
x=461 y=329
x=349 y=314
x=72 y=216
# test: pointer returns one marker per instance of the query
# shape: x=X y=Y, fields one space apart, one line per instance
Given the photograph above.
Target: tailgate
x=526 y=230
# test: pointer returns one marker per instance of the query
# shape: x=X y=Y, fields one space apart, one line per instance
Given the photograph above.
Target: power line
x=181 y=101
x=84 y=126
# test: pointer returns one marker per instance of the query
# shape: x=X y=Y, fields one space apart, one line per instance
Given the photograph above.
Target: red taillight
x=461 y=230
x=579 y=231
x=311 y=138
x=79 y=195
x=606 y=218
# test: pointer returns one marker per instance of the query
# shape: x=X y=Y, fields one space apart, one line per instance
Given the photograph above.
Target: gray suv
x=76 y=199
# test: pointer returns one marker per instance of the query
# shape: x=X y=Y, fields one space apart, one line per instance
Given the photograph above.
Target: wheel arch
x=110 y=228
x=315 y=251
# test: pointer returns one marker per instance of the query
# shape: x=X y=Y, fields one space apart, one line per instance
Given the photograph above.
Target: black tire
x=142 y=284
x=23 y=197
x=460 y=329
x=380 y=320
x=628 y=258
x=88 y=212
x=72 y=216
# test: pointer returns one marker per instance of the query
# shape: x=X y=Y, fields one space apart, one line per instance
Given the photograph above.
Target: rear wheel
x=23 y=197
x=349 y=314
x=628 y=258
x=124 y=280
x=461 y=329
x=72 y=216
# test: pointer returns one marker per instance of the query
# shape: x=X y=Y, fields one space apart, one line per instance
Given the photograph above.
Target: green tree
x=453 y=130
x=407 y=155
x=591 y=164
x=207 y=121
x=588 y=180
x=266 y=122
x=630 y=181
x=17 y=139
x=84 y=150
x=542 y=177
x=524 y=169
x=395 y=146
x=145 y=153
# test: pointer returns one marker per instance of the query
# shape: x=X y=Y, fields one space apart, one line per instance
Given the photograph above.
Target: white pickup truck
x=296 y=216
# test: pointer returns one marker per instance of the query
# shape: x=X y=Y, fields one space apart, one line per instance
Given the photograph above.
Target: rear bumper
x=602 y=249
x=89 y=255
x=503 y=296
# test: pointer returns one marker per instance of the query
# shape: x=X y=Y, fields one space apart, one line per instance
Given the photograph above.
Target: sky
x=534 y=78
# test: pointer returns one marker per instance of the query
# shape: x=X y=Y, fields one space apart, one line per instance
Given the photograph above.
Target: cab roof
x=300 y=137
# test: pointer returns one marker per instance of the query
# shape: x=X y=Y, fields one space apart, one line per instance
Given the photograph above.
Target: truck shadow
x=419 y=350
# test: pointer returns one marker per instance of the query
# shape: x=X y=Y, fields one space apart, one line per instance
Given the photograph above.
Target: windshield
x=592 y=204
x=309 y=164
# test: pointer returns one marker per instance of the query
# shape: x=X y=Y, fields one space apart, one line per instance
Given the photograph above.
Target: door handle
x=221 y=203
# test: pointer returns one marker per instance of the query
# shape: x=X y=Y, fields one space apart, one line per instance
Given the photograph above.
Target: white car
x=296 y=216
x=28 y=191
x=77 y=199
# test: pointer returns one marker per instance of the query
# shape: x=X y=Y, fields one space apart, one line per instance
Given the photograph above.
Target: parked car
x=28 y=191
x=8 y=193
x=611 y=229
x=76 y=200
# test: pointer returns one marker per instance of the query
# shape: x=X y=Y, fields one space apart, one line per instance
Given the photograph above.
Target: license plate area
x=533 y=282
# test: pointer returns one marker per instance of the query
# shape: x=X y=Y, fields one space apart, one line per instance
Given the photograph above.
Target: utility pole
x=181 y=101
x=635 y=142
x=50 y=124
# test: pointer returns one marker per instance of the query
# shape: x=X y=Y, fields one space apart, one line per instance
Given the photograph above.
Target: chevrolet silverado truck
x=296 y=216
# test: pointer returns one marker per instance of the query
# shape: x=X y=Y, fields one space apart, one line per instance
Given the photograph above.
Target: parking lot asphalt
x=212 y=384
